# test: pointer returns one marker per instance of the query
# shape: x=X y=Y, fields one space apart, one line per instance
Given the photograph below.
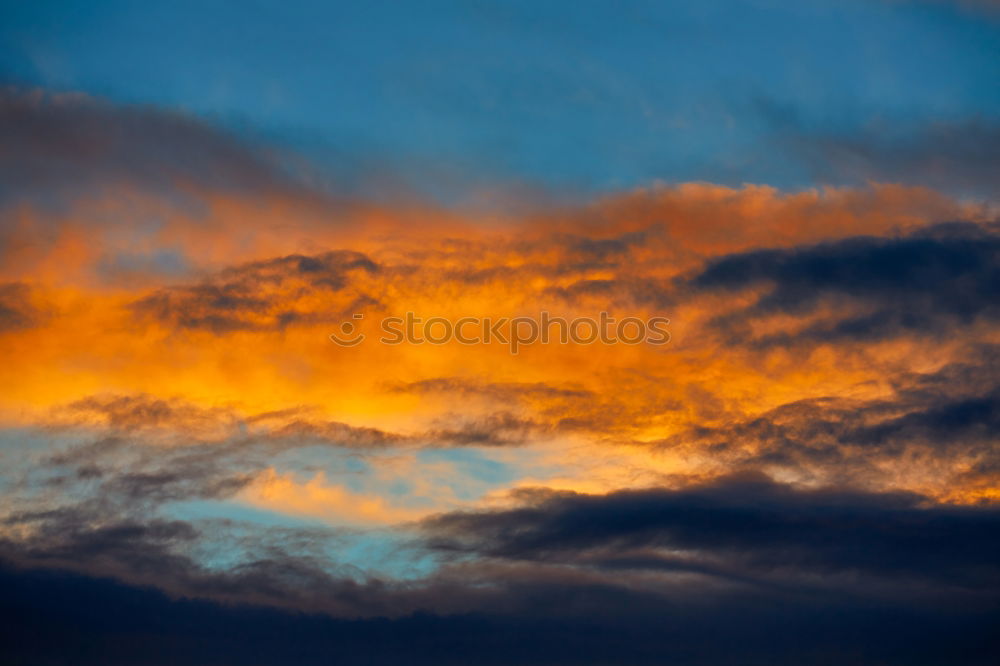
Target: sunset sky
x=195 y=195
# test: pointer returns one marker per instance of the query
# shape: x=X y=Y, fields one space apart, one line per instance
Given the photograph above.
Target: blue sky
x=450 y=97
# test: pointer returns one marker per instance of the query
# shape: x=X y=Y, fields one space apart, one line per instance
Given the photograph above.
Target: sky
x=213 y=452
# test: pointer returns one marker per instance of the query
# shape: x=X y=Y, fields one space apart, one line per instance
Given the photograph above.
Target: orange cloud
x=243 y=326
x=317 y=498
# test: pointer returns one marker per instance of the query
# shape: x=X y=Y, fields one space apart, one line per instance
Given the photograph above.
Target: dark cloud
x=644 y=575
x=976 y=418
x=59 y=147
x=501 y=429
x=736 y=533
x=17 y=308
x=335 y=433
x=132 y=545
x=142 y=413
x=494 y=390
x=803 y=577
x=49 y=617
x=584 y=253
x=176 y=485
x=546 y=408
x=222 y=432
x=85 y=534
x=148 y=451
x=129 y=412
x=618 y=292
x=264 y=295
x=121 y=479
x=926 y=283
x=959 y=156
x=749 y=529
x=946 y=420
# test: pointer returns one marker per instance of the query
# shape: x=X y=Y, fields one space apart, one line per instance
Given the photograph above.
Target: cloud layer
x=813 y=453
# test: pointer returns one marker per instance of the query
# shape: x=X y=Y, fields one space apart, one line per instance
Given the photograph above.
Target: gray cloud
x=17 y=311
x=924 y=284
x=262 y=295
x=59 y=147
x=748 y=529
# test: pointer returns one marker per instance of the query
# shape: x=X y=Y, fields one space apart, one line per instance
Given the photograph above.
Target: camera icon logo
x=348 y=336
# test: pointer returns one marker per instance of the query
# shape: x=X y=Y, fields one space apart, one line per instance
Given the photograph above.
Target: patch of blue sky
x=221 y=509
x=430 y=479
x=384 y=554
x=469 y=472
x=233 y=533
